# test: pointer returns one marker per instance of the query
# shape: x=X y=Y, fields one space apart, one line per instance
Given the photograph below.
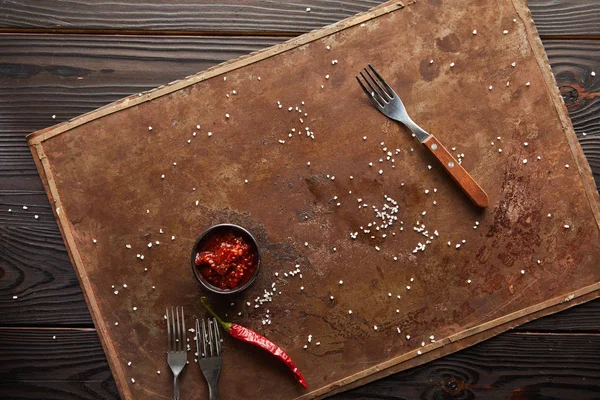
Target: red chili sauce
x=226 y=260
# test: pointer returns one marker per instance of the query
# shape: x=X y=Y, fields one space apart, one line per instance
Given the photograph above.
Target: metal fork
x=176 y=346
x=209 y=354
x=389 y=104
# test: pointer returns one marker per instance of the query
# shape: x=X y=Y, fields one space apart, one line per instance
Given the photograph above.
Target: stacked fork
x=209 y=354
x=208 y=347
x=176 y=346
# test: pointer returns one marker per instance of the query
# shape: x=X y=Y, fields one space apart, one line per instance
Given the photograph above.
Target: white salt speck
x=407 y=337
x=528 y=84
x=430 y=61
x=54 y=337
x=95 y=241
x=474 y=31
x=469 y=281
x=224 y=78
x=132 y=380
x=567 y=226
x=513 y=64
x=525 y=161
x=593 y=73
x=452 y=64
x=197 y=126
x=134 y=308
x=172 y=237
x=54 y=115
x=158 y=372
x=149 y=128
x=522 y=272
x=15 y=297
x=129 y=364
x=209 y=134
x=162 y=176
x=36 y=216
x=307 y=9
x=125 y=285
x=566 y=165
x=24 y=207
x=375 y=327
x=341 y=282
x=505 y=31
x=349 y=311
x=491 y=87
x=116 y=323
x=305 y=244
x=227 y=116
x=419 y=352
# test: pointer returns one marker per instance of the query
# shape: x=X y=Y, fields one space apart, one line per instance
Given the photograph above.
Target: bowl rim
x=207 y=285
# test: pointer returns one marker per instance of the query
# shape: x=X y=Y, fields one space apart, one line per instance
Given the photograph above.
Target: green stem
x=225 y=325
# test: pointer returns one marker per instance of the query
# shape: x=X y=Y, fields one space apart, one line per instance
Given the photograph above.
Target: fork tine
x=210 y=338
x=382 y=91
x=374 y=92
x=197 y=340
x=217 y=337
x=183 y=335
x=204 y=354
x=390 y=91
x=168 y=332
x=177 y=330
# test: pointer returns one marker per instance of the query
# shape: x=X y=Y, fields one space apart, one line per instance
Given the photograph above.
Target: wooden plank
x=133 y=64
x=54 y=363
x=73 y=366
x=555 y=18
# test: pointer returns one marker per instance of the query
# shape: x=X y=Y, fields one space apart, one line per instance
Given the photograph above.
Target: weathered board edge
x=435 y=350
x=583 y=166
x=136 y=99
x=45 y=171
x=454 y=343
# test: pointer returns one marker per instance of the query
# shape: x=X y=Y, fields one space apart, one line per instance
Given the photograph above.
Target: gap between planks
x=141 y=32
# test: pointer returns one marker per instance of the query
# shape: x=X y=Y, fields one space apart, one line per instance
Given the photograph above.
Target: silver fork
x=389 y=104
x=176 y=346
x=209 y=354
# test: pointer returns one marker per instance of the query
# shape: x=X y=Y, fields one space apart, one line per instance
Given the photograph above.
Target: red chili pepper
x=249 y=336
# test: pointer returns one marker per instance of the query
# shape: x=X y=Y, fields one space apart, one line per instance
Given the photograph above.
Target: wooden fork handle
x=457 y=172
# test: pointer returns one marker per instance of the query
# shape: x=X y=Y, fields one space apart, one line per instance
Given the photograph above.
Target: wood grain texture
x=462 y=178
x=524 y=366
x=556 y=18
x=53 y=363
x=66 y=76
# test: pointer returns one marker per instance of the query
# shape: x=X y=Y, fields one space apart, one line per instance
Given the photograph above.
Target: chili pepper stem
x=225 y=325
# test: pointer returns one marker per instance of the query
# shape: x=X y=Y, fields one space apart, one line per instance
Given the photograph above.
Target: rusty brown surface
x=107 y=174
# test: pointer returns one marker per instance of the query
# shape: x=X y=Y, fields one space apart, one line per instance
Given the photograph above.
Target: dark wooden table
x=60 y=58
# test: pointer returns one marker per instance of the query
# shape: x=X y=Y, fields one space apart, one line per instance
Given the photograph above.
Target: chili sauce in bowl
x=225 y=259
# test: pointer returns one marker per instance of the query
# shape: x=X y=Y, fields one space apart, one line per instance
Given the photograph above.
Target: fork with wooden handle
x=389 y=104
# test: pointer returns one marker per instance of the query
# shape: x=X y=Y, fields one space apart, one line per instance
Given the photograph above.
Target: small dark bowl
x=225 y=228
